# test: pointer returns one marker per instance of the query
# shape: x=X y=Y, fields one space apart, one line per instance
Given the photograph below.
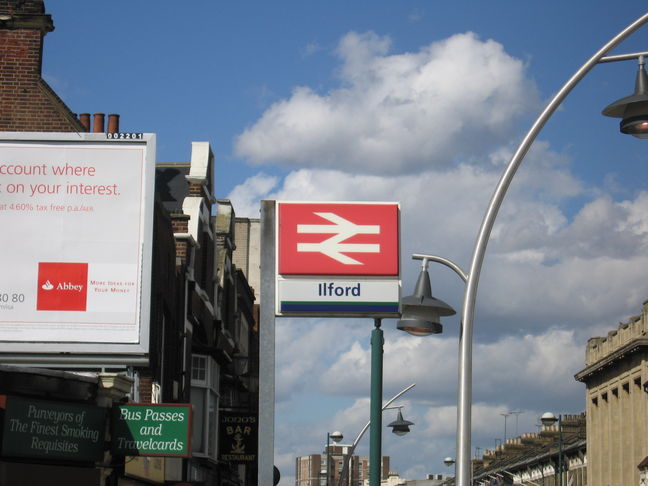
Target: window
x=204 y=398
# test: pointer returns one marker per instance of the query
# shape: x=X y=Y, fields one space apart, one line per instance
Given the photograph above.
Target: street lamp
x=635 y=122
x=336 y=437
x=386 y=406
x=548 y=419
x=421 y=313
x=400 y=426
x=632 y=109
x=448 y=461
x=506 y=416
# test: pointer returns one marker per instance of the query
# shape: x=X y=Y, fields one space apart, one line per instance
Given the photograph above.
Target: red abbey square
x=338 y=239
x=62 y=286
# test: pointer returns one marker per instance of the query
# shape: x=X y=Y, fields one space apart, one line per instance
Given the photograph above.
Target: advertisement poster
x=75 y=242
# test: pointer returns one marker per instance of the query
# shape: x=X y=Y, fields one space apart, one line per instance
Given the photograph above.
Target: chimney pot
x=84 y=118
x=98 y=126
x=113 y=123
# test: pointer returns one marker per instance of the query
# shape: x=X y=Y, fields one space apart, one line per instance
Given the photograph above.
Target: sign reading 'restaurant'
x=338 y=259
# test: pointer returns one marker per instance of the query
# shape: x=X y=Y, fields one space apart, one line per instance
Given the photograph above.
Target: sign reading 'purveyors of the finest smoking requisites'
x=151 y=430
x=52 y=430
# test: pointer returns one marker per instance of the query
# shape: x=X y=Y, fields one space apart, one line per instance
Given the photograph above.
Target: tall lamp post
x=506 y=416
x=633 y=110
x=336 y=437
x=549 y=419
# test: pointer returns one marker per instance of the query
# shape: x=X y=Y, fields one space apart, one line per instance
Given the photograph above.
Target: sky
x=420 y=102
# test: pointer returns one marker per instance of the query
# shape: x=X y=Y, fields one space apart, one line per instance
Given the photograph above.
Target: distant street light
x=400 y=426
x=425 y=319
x=506 y=416
x=335 y=437
x=517 y=414
x=548 y=419
x=386 y=406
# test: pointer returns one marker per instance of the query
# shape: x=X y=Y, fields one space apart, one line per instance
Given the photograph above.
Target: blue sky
x=420 y=102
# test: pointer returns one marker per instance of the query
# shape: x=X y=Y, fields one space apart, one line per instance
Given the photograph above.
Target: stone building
x=616 y=377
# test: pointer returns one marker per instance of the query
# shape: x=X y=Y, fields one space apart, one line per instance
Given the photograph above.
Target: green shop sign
x=52 y=430
x=151 y=430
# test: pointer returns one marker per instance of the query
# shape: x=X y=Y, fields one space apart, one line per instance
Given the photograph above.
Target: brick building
x=312 y=470
x=27 y=103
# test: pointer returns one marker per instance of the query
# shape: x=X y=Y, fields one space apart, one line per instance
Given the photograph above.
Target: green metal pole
x=375 y=431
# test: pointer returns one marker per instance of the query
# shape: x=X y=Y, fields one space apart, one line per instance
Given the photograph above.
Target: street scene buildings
x=202 y=334
x=161 y=384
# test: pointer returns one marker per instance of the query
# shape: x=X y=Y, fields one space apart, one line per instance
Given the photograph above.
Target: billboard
x=76 y=212
x=338 y=259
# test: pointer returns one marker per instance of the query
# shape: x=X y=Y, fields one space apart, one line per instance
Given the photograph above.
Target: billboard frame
x=113 y=354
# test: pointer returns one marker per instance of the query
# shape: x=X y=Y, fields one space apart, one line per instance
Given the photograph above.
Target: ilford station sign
x=338 y=259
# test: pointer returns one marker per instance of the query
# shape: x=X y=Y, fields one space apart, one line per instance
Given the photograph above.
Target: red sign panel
x=338 y=239
x=62 y=286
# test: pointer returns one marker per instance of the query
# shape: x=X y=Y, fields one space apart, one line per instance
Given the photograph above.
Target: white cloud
x=397 y=113
x=247 y=195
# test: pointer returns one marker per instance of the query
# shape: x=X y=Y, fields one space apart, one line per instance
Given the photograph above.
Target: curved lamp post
x=386 y=406
x=634 y=113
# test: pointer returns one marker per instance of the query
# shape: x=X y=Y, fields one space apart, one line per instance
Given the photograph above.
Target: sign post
x=325 y=259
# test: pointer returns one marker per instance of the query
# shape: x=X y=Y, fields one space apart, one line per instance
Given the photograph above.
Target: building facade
x=535 y=459
x=203 y=344
x=312 y=470
x=616 y=377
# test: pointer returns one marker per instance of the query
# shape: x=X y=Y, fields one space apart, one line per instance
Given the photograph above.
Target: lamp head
x=448 y=461
x=400 y=426
x=421 y=313
x=548 y=418
x=336 y=436
x=633 y=109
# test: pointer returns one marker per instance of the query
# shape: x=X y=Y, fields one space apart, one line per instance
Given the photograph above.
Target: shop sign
x=238 y=437
x=52 y=430
x=151 y=430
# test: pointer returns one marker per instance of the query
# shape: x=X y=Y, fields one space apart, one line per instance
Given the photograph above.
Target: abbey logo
x=62 y=286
